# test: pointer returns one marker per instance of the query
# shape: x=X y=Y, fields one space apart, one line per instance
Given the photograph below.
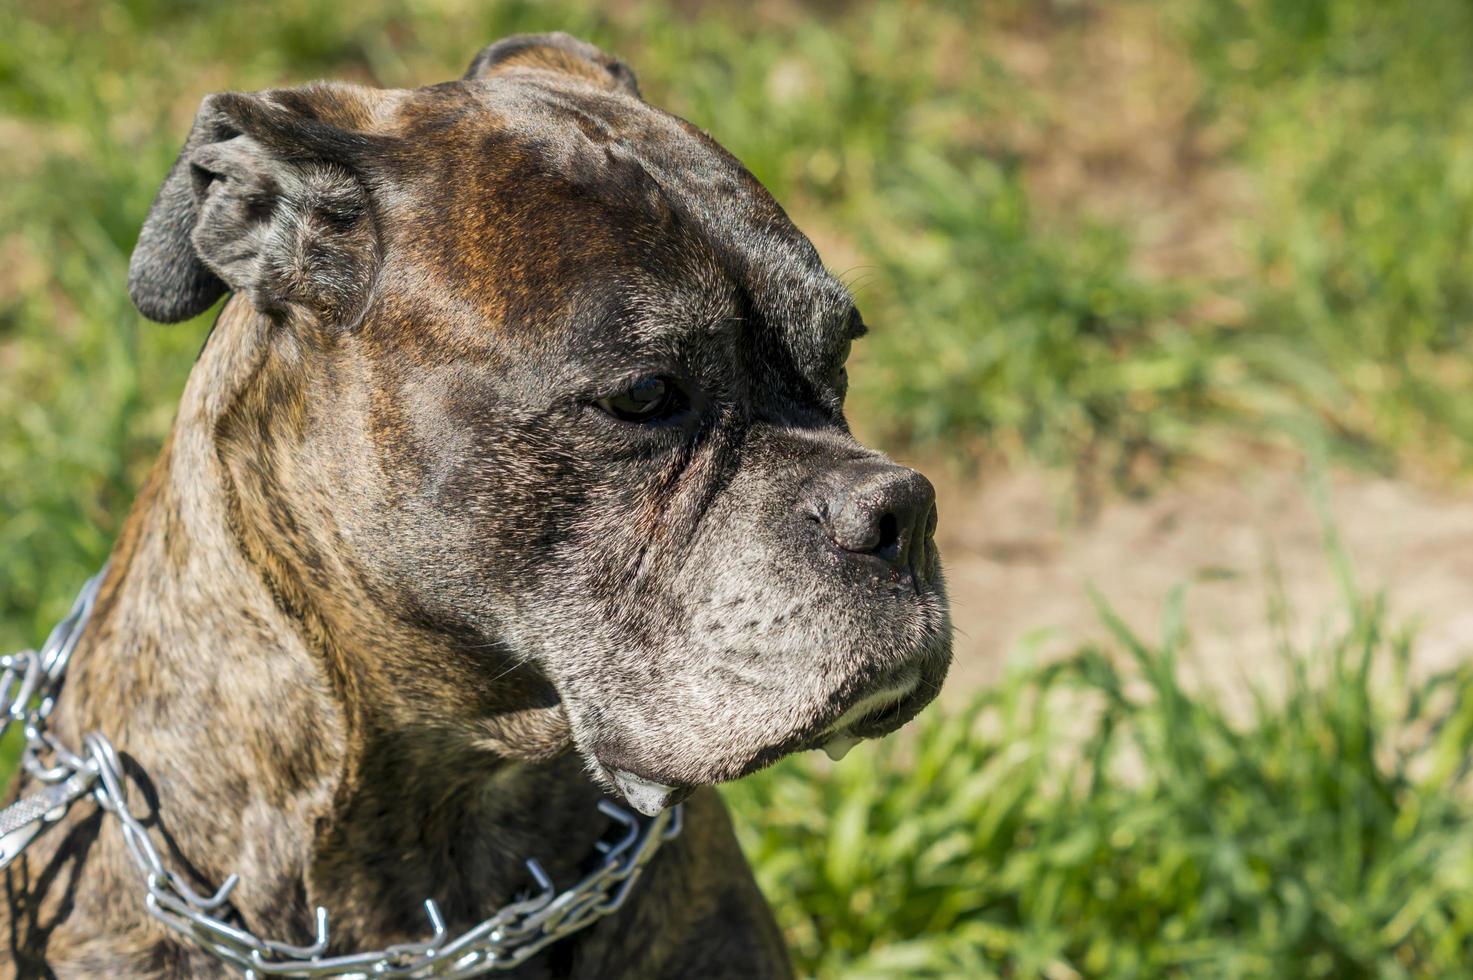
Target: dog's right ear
x=266 y=198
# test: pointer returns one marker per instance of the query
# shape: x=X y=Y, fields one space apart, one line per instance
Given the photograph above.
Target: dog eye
x=647 y=400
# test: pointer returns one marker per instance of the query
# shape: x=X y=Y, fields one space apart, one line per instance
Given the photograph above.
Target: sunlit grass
x=1100 y=817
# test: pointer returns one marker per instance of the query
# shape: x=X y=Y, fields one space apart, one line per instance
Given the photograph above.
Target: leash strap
x=29 y=684
x=23 y=821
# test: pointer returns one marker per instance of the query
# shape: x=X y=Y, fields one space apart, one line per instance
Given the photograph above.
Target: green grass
x=1098 y=817
x=1356 y=122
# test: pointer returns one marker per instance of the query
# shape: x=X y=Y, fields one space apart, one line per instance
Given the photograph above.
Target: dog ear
x=555 y=52
x=266 y=198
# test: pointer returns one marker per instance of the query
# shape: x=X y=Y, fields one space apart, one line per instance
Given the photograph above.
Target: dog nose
x=881 y=511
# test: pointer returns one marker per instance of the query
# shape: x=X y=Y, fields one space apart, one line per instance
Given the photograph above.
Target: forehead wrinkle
x=697 y=302
x=833 y=313
x=658 y=326
x=725 y=251
x=674 y=336
x=814 y=324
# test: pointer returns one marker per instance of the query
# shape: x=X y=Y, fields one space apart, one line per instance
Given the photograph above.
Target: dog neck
x=240 y=667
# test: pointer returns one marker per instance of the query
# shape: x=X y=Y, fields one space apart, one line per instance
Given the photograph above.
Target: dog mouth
x=874 y=715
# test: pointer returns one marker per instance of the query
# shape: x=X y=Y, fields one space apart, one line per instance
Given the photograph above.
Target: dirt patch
x=1020 y=575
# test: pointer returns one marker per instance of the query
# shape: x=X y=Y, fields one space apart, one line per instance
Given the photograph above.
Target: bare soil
x=1020 y=572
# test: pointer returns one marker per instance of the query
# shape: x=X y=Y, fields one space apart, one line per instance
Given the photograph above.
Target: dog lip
x=866 y=717
x=876 y=703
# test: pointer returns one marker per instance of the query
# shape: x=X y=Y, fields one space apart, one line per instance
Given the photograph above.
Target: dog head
x=553 y=383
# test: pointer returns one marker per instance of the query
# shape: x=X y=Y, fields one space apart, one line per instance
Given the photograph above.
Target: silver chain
x=29 y=683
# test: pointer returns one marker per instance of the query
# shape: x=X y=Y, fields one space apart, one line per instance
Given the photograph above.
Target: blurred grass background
x=1115 y=238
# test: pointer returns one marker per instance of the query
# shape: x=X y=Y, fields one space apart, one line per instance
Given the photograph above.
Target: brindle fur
x=396 y=598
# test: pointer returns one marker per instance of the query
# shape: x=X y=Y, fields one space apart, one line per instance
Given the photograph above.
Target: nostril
x=880 y=511
x=889 y=536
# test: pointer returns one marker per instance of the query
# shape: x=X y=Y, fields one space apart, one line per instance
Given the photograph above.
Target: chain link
x=29 y=683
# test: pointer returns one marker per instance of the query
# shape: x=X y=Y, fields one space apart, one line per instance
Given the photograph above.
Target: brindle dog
x=515 y=472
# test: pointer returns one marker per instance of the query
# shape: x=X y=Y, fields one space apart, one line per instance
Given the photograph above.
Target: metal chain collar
x=29 y=683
